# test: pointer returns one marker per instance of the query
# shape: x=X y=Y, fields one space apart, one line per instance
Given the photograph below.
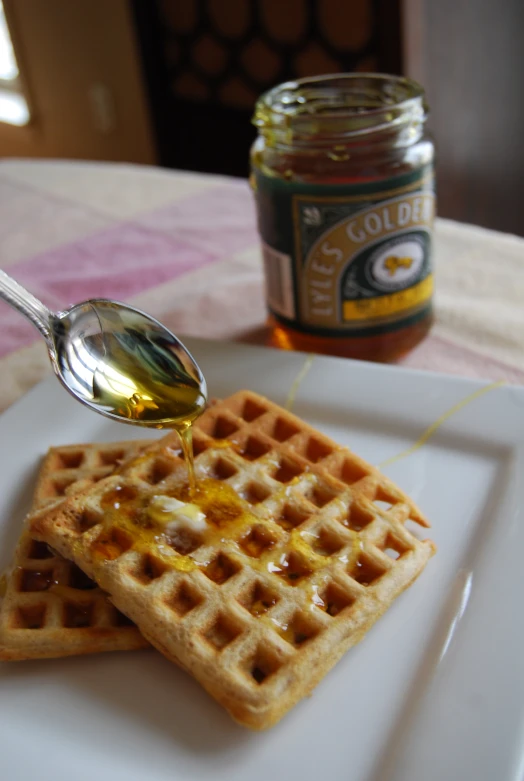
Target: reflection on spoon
x=140 y=377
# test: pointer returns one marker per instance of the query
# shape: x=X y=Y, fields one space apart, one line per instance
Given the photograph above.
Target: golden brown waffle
x=50 y=607
x=294 y=565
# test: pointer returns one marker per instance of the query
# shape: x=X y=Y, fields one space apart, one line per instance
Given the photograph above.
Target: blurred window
x=13 y=105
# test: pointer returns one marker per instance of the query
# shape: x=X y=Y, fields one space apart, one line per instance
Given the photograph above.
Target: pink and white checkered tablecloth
x=184 y=247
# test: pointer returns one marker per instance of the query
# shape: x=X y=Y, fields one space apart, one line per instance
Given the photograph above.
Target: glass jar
x=342 y=171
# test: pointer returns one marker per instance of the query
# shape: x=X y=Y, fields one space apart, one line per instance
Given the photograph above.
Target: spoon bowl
x=117 y=360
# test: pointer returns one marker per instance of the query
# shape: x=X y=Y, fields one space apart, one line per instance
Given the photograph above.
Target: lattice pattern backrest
x=229 y=51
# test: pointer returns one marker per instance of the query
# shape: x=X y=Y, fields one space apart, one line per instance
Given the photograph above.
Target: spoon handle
x=21 y=299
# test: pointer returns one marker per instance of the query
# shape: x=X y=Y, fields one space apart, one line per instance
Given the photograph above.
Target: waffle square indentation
x=393 y=547
x=200 y=443
x=366 y=571
x=291 y=516
x=220 y=569
x=39 y=550
x=326 y=542
x=357 y=518
x=223 y=428
x=257 y=540
x=160 y=469
x=283 y=430
x=254 y=493
x=254 y=448
x=30 y=617
x=183 y=540
x=317 y=450
x=292 y=567
x=286 y=470
x=258 y=598
x=71 y=459
x=111 y=457
x=299 y=629
x=252 y=410
x=222 y=632
x=112 y=543
x=149 y=568
x=183 y=599
x=35 y=580
x=263 y=664
x=77 y=616
x=333 y=599
x=87 y=519
x=222 y=469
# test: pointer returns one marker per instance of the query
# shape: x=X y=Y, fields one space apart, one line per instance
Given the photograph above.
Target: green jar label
x=347 y=260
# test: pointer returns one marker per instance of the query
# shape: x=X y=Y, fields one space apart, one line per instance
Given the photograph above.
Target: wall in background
x=81 y=69
x=469 y=54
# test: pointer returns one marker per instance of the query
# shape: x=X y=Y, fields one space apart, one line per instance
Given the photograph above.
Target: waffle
x=50 y=607
x=305 y=546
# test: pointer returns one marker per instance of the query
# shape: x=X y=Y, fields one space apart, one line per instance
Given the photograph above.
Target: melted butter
x=174 y=515
x=228 y=519
x=127 y=523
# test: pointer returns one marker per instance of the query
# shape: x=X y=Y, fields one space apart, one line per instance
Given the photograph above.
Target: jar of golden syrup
x=342 y=171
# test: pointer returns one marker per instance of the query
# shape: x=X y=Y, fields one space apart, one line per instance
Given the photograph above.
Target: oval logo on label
x=396 y=264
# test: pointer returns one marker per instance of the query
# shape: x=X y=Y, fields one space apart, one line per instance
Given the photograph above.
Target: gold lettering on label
x=323 y=284
x=321 y=269
x=388 y=225
x=404 y=213
x=357 y=237
x=372 y=224
x=328 y=312
x=335 y=251
x=319 y=298
x=417 y=209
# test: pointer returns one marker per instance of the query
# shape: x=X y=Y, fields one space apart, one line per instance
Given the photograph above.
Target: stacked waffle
x=290 y=550
x=49 y=607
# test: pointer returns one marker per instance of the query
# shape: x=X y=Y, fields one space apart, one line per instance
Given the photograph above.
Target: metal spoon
x=116 y=360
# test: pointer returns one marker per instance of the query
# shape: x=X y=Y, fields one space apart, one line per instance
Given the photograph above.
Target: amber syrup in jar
x=342 y=171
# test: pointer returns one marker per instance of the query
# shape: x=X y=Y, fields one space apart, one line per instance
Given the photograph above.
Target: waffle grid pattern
x=271 y=601
x=48 y=599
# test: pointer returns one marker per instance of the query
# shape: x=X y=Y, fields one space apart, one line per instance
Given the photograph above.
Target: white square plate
x=435 y=691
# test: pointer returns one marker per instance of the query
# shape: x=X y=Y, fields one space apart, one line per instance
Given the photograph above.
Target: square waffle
x=305 y=545
x=49 y=606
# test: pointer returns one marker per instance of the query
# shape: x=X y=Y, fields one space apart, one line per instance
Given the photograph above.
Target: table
x=184 y=247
